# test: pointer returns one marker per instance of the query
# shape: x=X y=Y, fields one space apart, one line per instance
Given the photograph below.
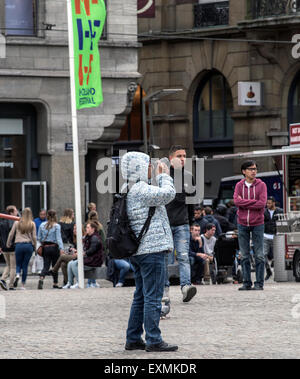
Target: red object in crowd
x=8 y=217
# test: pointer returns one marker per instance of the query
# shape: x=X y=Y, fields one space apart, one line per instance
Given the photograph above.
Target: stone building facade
x=35 y=113
x=206 y=47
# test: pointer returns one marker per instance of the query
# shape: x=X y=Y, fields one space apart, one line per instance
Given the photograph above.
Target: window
x=211 y=13
x=212 y=106
x=19 y=17
x=294 y=101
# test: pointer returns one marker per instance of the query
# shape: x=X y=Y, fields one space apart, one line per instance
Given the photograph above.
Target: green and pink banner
x=88 y=18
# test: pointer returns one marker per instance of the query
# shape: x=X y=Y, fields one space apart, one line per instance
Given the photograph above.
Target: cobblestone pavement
x=219 y=322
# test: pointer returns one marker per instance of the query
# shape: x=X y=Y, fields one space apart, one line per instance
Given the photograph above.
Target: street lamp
x=152 y=98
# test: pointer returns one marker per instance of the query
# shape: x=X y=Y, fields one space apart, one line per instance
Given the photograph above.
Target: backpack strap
x=147 y=224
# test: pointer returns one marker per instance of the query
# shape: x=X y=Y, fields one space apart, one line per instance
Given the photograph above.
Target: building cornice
x=66 y=74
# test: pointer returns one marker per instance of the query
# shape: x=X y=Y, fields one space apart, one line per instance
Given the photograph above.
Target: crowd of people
x=20 y=242
x=189 y=233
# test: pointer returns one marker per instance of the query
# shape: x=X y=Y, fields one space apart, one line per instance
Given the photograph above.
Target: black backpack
x=121 y=240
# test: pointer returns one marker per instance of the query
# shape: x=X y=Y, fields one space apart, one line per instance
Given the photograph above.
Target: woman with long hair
x=67 y=225
x=93 y=255
x=50 y=237
x=68 y=256
x=93 y=217
x=24 y=232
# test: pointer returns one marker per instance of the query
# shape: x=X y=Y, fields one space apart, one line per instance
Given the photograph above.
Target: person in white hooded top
x=149 y=261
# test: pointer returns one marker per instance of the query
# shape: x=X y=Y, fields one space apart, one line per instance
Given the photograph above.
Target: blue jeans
x=124 y=267
x=73 y=271
x=181 y=236
x=23 y=254
x=258 y=248
x=149 y=272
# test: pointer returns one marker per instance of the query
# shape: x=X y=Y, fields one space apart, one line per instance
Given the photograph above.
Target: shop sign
x=294 y=134
x=146 y=8
x=250 y=94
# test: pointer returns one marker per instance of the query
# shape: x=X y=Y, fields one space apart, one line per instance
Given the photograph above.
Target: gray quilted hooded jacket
x=141 y=196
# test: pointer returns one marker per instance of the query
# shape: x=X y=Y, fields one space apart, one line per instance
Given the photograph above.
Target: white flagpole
x=77 y=187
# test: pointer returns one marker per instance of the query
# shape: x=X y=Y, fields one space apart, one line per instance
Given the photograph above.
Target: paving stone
x=220 y=322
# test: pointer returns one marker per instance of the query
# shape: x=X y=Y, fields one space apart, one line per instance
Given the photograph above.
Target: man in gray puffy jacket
x=149 y=261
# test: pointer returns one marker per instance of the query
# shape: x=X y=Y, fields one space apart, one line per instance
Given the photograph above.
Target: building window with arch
x=213 y=125
x=294 y=101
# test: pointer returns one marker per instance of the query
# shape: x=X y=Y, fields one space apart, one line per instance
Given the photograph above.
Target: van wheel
x=296 y=266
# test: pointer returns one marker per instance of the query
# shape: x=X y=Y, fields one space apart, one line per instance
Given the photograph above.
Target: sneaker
x=16 y=281
x=67 y=286
x=75 y=286
x=257 y=288
x=166 y=295
x=12 y=289
x=22 y=288
x=119 y=284
x=88 y=286
x=56 y=287
x=188 y=292
x=161 y=347
x=139 y=345
x=3 y=285
x=207 y=282
x=245 y=288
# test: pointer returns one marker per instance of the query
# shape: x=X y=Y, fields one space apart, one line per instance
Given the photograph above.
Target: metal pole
x=151 y=122
x=145 y=127
x=77 y=186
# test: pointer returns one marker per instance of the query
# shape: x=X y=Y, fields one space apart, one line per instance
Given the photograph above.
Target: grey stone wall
x=36 y=71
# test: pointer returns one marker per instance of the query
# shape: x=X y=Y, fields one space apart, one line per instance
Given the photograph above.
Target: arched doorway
x=213 y=125
x=294 y=101
x=213 y=128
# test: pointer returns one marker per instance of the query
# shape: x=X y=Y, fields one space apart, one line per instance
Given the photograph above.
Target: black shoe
x=139 y=345
x=40 y=285
x=3 y=285
x=257 y=288
x=161 y=347
x=245 y=288
x=57 y=287
x=269 y=274
x=16 y=282
x=12 y=289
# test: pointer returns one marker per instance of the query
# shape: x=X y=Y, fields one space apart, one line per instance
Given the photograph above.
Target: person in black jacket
x=93 y=255
x=67 y=226
x=271 y=214
x=8 y=253
x=196 y=249
x=181 y=216
x=220 y=216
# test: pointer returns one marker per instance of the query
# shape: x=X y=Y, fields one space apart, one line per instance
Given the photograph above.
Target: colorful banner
x=146 y=8
x=88 y=22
